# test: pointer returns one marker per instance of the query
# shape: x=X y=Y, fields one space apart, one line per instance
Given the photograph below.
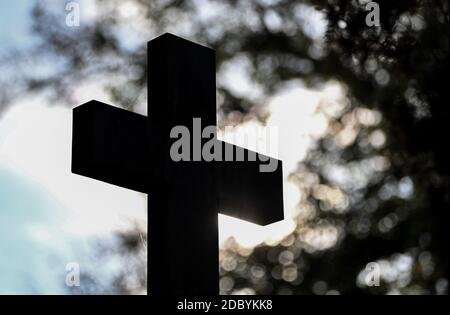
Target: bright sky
x=35 y=155
x=35 y=142
x=14 y=21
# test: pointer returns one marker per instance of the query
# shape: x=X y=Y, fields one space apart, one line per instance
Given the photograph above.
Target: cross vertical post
x=182 y=208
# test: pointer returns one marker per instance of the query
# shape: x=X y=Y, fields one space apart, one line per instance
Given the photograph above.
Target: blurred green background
x=361 y=113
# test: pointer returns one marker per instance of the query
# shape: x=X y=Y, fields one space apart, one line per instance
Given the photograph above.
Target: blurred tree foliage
x=391 y=128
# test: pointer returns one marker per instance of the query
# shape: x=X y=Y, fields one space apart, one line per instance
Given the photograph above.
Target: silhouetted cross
x=132 y=151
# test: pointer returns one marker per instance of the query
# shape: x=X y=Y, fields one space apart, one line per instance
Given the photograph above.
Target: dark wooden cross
x=132 y=151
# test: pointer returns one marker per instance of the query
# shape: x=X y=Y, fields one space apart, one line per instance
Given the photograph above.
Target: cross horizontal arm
x=247 y=193
x=121 y=148
x=113 y=145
